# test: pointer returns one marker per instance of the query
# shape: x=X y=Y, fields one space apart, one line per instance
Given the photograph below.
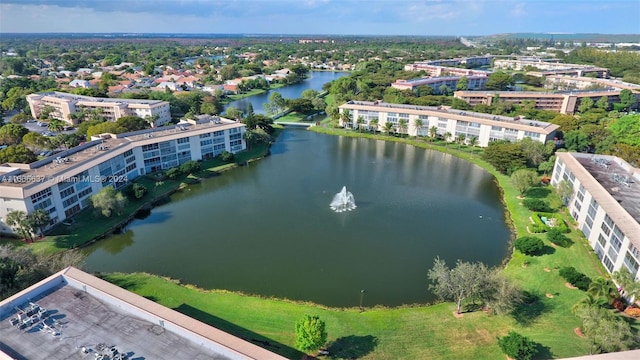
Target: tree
x=565 y=191
x=374 y=123
x=233 y=113
x=626 y=130
x=302 y=106
x=133 y=123
x=17 y=154
x=17 y=219
x=523 y=179
x=35 y=141
x=628 y=99
x=226 y=156
x=535 y=151
x=585 y=105
x=37 y=220
x=447 y=136
x=309 y=94
x=556 y=236
x=360 y=123
x=505 y=156
x=105 y=127
x=605 y=331
x=138 y=191
x=517 y=346
x=108 y=201
x=276 y=103
x=418 y=124
x=625 y=279
x=11 y=134
x=311 y=334
x=576 y=140
x=388 y=126
x=403 y=126
x=173 y=173
x=345 y=117
x=463 y=83
x=457 y=284
x=603 y=103
x=529 y=245
x=433 y=131
x=189 y=167
x=228 y=72
x=56 y=125
x=473 y=141
x=497 y=293
x=603 y=288
x=499 y=81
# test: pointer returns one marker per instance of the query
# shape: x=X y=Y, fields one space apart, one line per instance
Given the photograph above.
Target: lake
x=267 y=228
x=315 y=81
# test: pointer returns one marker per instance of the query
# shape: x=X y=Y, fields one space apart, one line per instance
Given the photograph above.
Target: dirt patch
x=549 y=295
x=547 y=270
x=578 y=332
x=458 y=315
x=569 y=286
x=554 y=245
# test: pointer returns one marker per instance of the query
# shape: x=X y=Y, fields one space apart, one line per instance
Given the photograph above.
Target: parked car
x=31 y=121
x=43 y=124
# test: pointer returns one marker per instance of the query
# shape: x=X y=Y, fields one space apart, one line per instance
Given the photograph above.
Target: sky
x=338 y=17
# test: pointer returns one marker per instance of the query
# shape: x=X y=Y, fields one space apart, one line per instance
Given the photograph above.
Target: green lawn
x=421 y=332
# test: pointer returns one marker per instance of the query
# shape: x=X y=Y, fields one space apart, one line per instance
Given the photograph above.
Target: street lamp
x=361 y=297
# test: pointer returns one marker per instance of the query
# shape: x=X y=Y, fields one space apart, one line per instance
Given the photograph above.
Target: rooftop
x=74 y=97
x=620 y=182
x=74 y=315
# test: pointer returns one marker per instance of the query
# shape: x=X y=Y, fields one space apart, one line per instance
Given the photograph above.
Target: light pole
x=361 y=297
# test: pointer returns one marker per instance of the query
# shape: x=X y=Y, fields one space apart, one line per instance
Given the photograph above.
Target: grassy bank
x=423 y=332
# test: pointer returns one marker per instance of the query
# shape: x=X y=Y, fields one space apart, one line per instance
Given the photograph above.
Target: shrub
x=560 y=224
x=556 y=236
x=138 y=190
x=538 y=229
x=529 y=245
x=173 y=173
x=226 y=156
x=189 y=167
x=575 y=278
x=633 y=312
x=517 y=346
x=536 y=205
x=310 y=333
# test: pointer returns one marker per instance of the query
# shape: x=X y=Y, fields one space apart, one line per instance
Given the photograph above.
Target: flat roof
x=614 y=184
x=68 y=96
x=76 y=310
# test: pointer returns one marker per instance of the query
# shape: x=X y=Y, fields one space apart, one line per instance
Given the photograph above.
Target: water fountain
x=343 y=201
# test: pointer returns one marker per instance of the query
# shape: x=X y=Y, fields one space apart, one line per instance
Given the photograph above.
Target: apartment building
x=561 y=102
x=560 y=82
x=451 y=82
x=438 y=70
x=63 y=183
x=64 y=105
x=606 y=205
x=551 y=67
x=484 y=127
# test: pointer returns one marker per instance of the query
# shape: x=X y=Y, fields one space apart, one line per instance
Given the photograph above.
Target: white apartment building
x=484 y=127
x=112 y=109
x=551 y=67
x=63 y=183
x=451 y=82
x=606 y=205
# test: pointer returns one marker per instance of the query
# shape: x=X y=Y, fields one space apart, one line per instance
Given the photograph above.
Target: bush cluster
x=517 y=346
x=186 y=168
x=537 y=205
x=529 y=245
x=575 y=278
x=556 y=236
x=540 y=227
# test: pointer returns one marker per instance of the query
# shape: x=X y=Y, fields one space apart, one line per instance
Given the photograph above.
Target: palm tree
x=433 y=131
x=388 y=126
x=586 y=303
x=473 y=141
x=374 y=123
x=403 y=126
x=38 y=219
x=418 y=123
x=447 y=136
x=56 y=125
x=460 y=139
x=603 y=289
x=18 y=220
x=360 y=123
x=625 y=279
x=346 y=118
